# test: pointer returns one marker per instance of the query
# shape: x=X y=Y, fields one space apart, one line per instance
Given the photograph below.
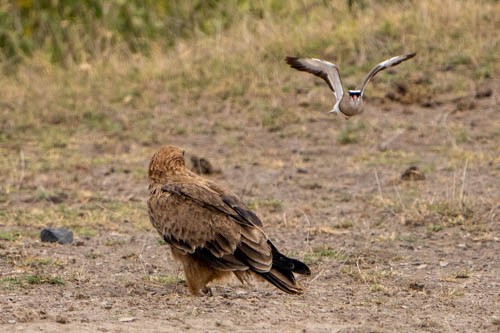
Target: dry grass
x=242 y=68
x=239 y=72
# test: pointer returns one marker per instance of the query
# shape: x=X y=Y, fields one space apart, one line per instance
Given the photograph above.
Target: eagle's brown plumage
x=210 y=231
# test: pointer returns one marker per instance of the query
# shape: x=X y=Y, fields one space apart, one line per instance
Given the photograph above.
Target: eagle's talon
x=207 y=291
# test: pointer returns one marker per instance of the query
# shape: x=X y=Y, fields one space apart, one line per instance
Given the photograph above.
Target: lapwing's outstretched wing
x=321 y=68
x=383 y=65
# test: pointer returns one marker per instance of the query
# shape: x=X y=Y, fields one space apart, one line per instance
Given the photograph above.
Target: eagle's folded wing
x=198 y=220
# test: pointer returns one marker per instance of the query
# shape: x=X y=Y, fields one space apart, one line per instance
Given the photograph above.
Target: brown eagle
x=210 y=230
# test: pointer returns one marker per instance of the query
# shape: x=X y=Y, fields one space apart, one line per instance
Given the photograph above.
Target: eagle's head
x=167 y=161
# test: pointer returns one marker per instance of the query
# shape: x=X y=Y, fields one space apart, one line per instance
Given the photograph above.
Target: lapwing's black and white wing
x=383 y=65
x=321 y=68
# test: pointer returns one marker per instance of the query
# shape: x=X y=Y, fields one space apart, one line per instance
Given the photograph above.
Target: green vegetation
x=463 y=274
x=9 y=235
x=343 y=224
x=272 y=204
x=166 y=280
x=435 y=227
x=74 y=31
x=27 y=280
x=318 y=254
x=351 y=133
x=376 y=287
x=372 y=276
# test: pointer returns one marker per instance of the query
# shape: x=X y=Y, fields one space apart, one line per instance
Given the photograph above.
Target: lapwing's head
x=355 y=96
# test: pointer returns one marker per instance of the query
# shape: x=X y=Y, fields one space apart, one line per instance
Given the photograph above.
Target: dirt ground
x=387 y=254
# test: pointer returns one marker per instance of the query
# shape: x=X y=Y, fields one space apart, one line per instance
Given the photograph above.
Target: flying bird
x=351 y=104
x=210 y=230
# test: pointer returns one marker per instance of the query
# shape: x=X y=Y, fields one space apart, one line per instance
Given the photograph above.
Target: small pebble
x=107 y=305
x=126 y=319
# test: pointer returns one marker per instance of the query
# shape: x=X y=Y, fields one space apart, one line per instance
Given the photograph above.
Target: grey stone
x=60 y=235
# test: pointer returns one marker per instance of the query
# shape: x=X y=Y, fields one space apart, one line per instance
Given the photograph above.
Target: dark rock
x=109 y=171
x=202 y=166
x=412 y=173
x=58 y=198
x=398 y=90
x=312 y=186
x=401 y=88
x=390 y=95
x=417 y=286
x=484 y=92
x=60 y=235
x=428 y=104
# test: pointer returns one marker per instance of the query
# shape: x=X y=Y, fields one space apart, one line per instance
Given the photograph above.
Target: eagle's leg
x=198 y=274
